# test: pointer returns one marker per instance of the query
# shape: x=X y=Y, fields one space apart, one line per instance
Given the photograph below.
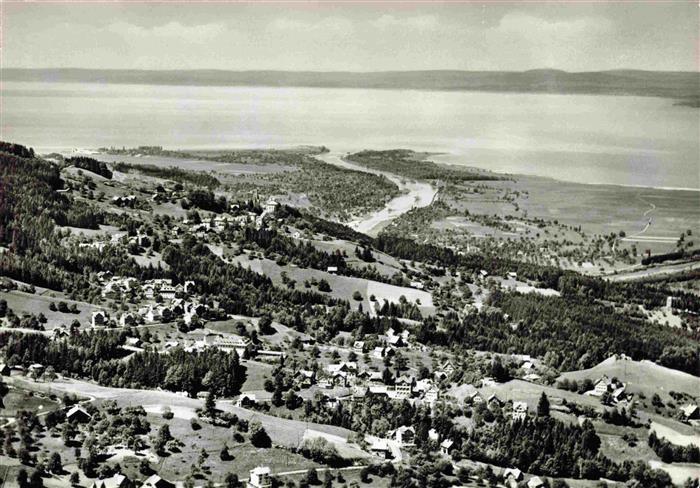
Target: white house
x=116 y=481
x=99 y=318
x=260 y=477
x=445 y=446
x=405 y=436
x=519 y=410
x=535 y=482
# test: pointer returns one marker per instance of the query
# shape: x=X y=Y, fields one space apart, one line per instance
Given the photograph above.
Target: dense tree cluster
x=97 y=356
x=205 y=200
x=672 y=453
x=569 y=333
x=198 y=178
x=409 y=164
x=92 y=165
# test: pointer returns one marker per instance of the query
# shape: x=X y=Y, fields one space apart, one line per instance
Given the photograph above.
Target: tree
x=210 y=404
x=258 y=435
x=543 y=406
x=498 y=372
x=161 y=439
x=145 y=467
x=22 y=478
x=50 y=374
x=55 y=464
x=232 y=481
x=74 y=478
x=312 y=476
x=35 y=480
x=291 y=400
x=357 y=295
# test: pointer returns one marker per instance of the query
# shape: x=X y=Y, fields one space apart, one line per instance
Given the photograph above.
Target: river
x=414 y=194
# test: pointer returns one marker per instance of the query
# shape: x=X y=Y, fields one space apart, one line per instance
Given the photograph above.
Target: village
x=209 y=341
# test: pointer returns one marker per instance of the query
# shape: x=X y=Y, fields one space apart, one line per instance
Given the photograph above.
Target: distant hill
x=684 y=86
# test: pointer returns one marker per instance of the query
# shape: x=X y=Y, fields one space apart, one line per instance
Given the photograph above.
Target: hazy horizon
x=445 y=70
x=352 y=37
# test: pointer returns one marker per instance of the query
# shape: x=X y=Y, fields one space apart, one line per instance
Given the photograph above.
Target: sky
x=353 y=36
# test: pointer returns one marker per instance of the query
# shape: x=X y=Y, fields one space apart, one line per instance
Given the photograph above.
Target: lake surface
x=581 y=138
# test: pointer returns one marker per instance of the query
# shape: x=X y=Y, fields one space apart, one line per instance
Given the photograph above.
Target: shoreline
x=92 y=152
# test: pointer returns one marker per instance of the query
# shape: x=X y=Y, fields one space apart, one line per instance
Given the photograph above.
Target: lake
x=580 y=138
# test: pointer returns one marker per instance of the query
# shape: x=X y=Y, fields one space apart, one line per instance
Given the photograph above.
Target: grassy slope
x=641 y=376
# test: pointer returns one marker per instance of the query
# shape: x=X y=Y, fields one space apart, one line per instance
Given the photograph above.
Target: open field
x=687 y=437
x=21 y=399
x=679 y=472
x=21 y=302
x=194 y=164
x=641 y=377
x=342 y=287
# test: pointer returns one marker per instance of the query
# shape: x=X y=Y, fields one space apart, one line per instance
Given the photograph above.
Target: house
x=519 y=410
x=36 y=369
x=338 y=379
x=245 y=400
x=618 y=394
x=60 y=332
x=127 y=319
x=403 y=387
x=379 y=352
x=376 y=378
x=527 y=365
x=305 y=378
x=397 y=340
x=332 y=269
x=405 y=436
x=601 y=386
x=155 y=481
x=511 y=477
x=359 y=347
x=4 y=369
x=226 y=343
x=440 y=375
x=432 y=394
x=690 y=412
x=116 y=481
x=422 y=386
x=78 y=414
x=359 y=393
x=347 y=367
x=493 y=401
x=416 y=284
x=99 y=318
x=433 y=435
x=380 y=447
x=134 y=341
x=260 y=477
x=445 y=446
x=447 y=368
x=271 y=205
x=535 y=482
x=473 y=398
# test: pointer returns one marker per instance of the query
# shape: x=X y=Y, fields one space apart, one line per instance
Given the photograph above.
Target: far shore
x=429 y=154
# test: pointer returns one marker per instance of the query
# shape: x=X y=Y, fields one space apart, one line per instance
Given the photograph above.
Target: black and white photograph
x=349 y=244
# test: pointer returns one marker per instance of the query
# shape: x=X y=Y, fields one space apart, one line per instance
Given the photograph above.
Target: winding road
x=414 y=194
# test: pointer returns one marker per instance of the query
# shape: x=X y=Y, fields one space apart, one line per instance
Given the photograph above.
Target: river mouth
x=414 y=194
